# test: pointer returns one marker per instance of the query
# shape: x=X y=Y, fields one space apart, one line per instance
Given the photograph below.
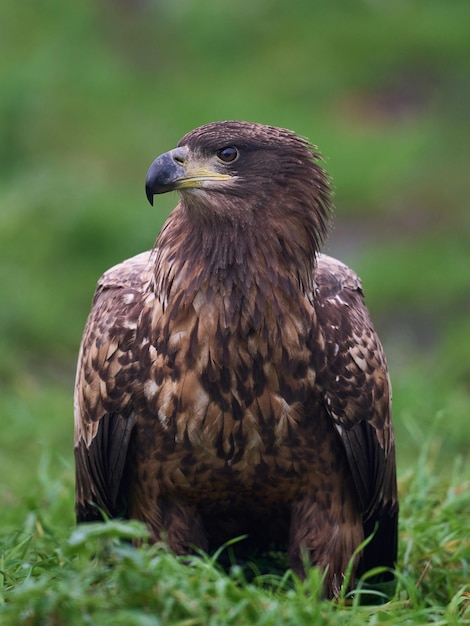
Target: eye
x=228 y=154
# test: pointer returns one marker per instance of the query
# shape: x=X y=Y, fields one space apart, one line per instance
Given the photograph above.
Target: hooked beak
x=175 y=170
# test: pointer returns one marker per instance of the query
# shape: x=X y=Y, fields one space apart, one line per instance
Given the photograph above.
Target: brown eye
x=228 y=154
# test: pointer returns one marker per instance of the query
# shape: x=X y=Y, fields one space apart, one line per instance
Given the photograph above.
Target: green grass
x=54 y=573
x=90 y=94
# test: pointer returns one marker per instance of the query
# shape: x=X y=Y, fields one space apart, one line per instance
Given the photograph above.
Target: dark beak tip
x=149 y=194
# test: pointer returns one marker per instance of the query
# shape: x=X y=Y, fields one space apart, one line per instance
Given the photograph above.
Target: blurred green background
x=92 y=92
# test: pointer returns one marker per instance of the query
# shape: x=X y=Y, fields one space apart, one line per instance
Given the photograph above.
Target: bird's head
x=244 y=172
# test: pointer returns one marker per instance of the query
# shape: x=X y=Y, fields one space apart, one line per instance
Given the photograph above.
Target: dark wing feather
x=357 y=394
x=106 y=378
x=99 y=468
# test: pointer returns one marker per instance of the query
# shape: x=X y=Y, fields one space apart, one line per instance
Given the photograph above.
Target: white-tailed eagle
x=230 y=381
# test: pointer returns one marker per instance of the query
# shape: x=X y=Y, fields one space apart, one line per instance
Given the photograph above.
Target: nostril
x=179 y=155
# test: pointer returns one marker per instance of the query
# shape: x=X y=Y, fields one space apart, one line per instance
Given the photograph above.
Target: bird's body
x=230 y=381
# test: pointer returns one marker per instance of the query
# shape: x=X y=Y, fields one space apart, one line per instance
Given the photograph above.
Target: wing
x=357 y=395
x=107 y=377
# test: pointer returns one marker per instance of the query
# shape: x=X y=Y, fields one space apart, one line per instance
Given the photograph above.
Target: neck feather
x=232 y=257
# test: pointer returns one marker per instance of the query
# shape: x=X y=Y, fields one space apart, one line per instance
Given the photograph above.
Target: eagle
x=230 y=381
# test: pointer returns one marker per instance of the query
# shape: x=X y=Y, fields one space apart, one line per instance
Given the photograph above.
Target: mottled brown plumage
x=230 y=381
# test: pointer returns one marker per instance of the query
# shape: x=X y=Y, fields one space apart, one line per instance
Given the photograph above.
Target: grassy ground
x=90 y=94
x=56 y=574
